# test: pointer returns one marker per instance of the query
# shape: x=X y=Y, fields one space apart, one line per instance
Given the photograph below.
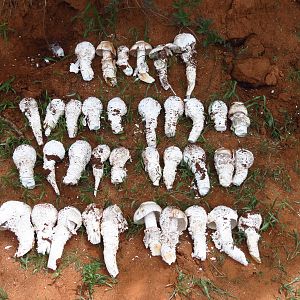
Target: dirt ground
x=258 y=54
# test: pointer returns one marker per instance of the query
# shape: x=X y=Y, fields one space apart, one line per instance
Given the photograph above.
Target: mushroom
x=113 y=223
x=244 y=159
x=54 y=151
x=194 y=109
x=173 y=222
x=29 y=107
x=224 y=164
x=68 y=222
x=99 y=155
x=238 y=114
x=140 y=50
x=174 y=108
x=116 y=109
x=223 y=219
x=72 y=112
x=160 y=55
x=151 y=162
x=172 y=158
x=24 y=158
x=197 y=229
x=118 y=158
x=149 y=110
x=218 y=113
x=79 y=155
x=250 y=225
x=55 y=109
x=15 y=216
x=148 y=213
x=44 y=217
x=122 y=62
x=91 y=219
x=194 y=156
x=85 y=53
x=108 y=53
x=92 y=109
x=184 y=44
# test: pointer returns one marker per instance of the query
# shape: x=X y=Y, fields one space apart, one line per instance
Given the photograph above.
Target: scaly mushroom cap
x=149 y=108
x=85 y=50
x=237 y=107
x=222 y=212
x=173 y=154
x=54 y=150
x=116 y=109
x=72 y=113
x=114 y=214
x=174 y=103
x=169 y=213
x=251 y=220
x=194 y=108
x=145 y=209
x=140 y=45
x=224 y=164
x=184 y=42
x=70 y=217
x=119 y=156
x=218 y=113
x=244 y=157
x=160 y=52
x=101 y=153
x=193 y=154
x=196 y=211
x=92 y=108
x=106 y=46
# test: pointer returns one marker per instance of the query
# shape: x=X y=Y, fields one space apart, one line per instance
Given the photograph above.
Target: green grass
x=9 y=145
x=6 y=86
x=296 y=251
x=33 y=261
x=4 y=30
x=3 y=294
x=290 y=290
x=230 y=91
x=294 y=75
x=182 y=14
x=133 y=229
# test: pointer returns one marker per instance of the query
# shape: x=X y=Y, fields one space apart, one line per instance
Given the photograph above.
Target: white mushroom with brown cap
x=72 y=113
x=113 y=223
x=224 y=164
x=108 y=53
x=172 y=158
x=100 y=154
x=85 y=53
x=117 y=159
x=148 y=213
x=197 y=229
x=68 y=222
x=218 y=113
x=116 y=109
x=79 y=156
x=92 y=110
x=194 y=156
x=244 y=159
x=53 y=152
x=140 y=50
x=151 y=162
x=149 y=110
x=15 y=217
x=250 y=225
x=122 y=62
x=223 y=219
x=174 y=108
x=29 y=107
x=238 y=114
x=44 y=217
x=173 y=222
x=24 y=157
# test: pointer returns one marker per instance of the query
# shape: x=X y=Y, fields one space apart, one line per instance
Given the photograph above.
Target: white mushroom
x=113 y=223
x=218 y=113
x=148 y=213
x=224 y=164
x=238 y=114
x=250 y=225
x=72 y=112
x=107 y=51
x=174 y=108
x=122 y=62
x=151 y=162
x=173 y=222
x=29 y=107
x=15 y=216
x=244 y=159
x=91 y=219
x=99 y=155
x=85 y=53
x=116 y=109
x=92 y=110
x=117 y=159
x=55 y=109
x=68 y=222
x=79 y=155
x=194 y=109
x=194 y=156
x=149 y=110
x=223 y=219
x=197 y=229
x=44 y=217
x=24 y=158
x=140 y=50
x=172 y=158
x=54 y=151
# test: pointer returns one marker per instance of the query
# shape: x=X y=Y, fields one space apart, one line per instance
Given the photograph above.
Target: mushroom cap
x=217 y=106
x=145 y=209
x=171 y=212
x=173 y=153
x=101 y=152
x=149 y=106
x=116 y=106
x=251 y=220
x=114 y=214
x=106 y=46
x=54 y=148
x=119 y=156
x=24 y=152
x=11 y=211
x=81 y=146
x=222 y=212
x=91 y=103
x=155 y=52
x=85 y=49
x=138 y=45
x=184 y=40
x=193 y=107
x=193 y=154
x=244 y=157
x=43 y=213
x=196 y=211
x=70 y=217
x=223 y=153
x=174 y=103
x=237 y=107
x=26 y=103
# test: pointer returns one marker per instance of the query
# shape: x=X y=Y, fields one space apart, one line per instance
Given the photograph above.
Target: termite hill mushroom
x=151 y=162
x=122 y=62
x=218 y=113
x=238 y=114
x=92 y=109
x=72 y=113
x=116 y=109
x=117 y=159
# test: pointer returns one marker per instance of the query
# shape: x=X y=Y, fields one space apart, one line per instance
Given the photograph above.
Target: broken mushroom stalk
x=151 y=162
x=238 y=115
x=218 y=113
x=117 y=159
x=122 y=62
x=116 y=109
x=72 y=113
x=92 y=110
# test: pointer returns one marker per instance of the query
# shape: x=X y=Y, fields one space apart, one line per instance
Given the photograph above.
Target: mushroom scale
x=116 y=109
x=117 y=159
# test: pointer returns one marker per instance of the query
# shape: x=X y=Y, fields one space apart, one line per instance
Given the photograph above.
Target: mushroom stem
x=109 y=68
x=150 y=220
x=190 y=72
x=122 y=61
x=252 y=243
x=161 y=66
x=50 y=166
x=98 y=174
x=151 y=161
x=150 y=126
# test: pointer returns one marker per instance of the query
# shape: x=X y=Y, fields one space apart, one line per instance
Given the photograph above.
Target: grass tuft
x=6 y=86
